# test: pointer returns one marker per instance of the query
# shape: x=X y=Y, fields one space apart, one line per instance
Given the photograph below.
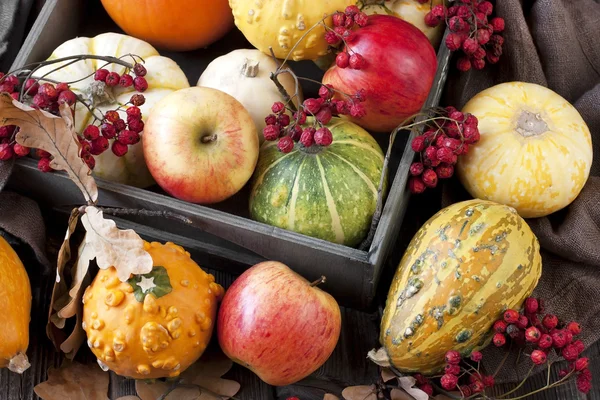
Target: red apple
x=275 y=323
x=397 y=75
x=200 y=145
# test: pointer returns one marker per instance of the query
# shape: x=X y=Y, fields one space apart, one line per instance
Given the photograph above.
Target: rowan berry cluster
x=343 y=33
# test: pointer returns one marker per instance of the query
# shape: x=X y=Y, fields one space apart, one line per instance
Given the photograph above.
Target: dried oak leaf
x=74 y=381
x=204 y=380
x=387 y=375
x=56 y=135
x=407 y=383
x=399 y=394
x=329 y=396
x=360 y=393
x=122 y=249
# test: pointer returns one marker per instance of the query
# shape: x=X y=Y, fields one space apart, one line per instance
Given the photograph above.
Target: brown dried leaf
x=60 y=287
x=399 y=394
x=122 y=249
x=360 y=393
x=129 y=398
x=387 y=375
x=42 y=130
x=153 y=391
x=74 y=381
x=329 y=396
x=407 y=383
x=85 y=254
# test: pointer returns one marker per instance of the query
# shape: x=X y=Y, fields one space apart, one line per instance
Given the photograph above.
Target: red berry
x=339 y=19
x=454 y=41
x=538 y=357
x=457 y=24
x=99 y=145
x=421 y=380
x=453 y=357
x=481 y=19
x=491 y=58
x=49 y=90
x=431 y=156
x=89 y=160
x=342 y=107
x=476 y=356
x=13 y=80
x=31 y=87
x=112 y=79
x=570 y=352
x=108 y=130
x=312 y=106
x=500 y=326
x=586 y=374
x=497 y=24
x=323 y=137
x=20 y=150
x=559 y=339
x=325 y=92
x=466 y=391
x=418 y=144
x=128 y=137
x=583 y=385
x=300 y=117
x=431 y=20
x=513 y=331
x=136 y=125
x=139 y=70
x=86 y=146
x=332 y=38
x=580 y=346
x=511 y=316
x=44 y=164
x=6 y=151
x=485 y=7
x=361 y=19
x=140 y=84
x=295 y=132
x=449 y=381
x=283 y=120
x=531 y=305
x=7 y=87
x=126 y=80
x=523 y=322
x=307 y=137
x=324 y=115
x=416 y=185
x=550 y=321
x=532 y=334
x=497 y=40
x=62 y=86
x=42 y=153
x=463 y=64
x=471 y=134
x=488 y=381
x=545 y=341
x=582 y=363
x=574 y=328
x=452 y=369
x=7 y=131
x=430 y=178
x=91 y=132
x=67 y=96
x=357 y=110
x=277 y=107
x=134 y=112
x=112 y=116
x=41 y=100
x=119 y=149
x=470 y=46
x=471 y=120
x=444 y=171
x=285 y=144
x=352 y=10
x=416 y=168
x=446 y=155
x=479 y=54
x=356 y=61
x=499 y=340
x=119 y=125
x=427 y=388
x=342 y=60
x=478 y=64
x=137 y=99
x=271 y=132
x=477 y=387
x=15 y=95
x=568 y=336
x=101 y=74
x=483 y=36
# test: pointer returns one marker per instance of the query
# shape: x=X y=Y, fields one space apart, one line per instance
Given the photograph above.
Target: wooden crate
x=225 y=230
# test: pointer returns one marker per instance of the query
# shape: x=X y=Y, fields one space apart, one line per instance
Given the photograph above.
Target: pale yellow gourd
x=535 y=151
x=245 y=74
x=281 y=24
x=164 y=76
x=409 y=10
x=15 y=303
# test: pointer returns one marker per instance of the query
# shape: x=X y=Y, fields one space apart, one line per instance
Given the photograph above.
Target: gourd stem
x=250 y=68
x=322 y=279
x=19 y=363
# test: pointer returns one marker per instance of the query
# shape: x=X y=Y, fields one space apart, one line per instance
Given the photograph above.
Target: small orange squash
x=15 y=303
x=176 y=25
x=154 y=325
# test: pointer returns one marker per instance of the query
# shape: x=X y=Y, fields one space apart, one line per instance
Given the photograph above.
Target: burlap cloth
x=555 y=43
x=19 y=216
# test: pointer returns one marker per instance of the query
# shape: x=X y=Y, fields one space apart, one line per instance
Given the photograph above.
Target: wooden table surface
x=347 y=366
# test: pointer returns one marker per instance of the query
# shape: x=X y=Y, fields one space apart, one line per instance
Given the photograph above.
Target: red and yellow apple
x=200 y=145
x=278 y=325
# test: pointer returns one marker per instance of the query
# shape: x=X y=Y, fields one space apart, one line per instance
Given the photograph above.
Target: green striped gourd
x=324 y=192
x=467 y=265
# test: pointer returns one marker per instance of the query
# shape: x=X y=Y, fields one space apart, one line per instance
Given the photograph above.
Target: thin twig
x=275 y=79
x=146 y=213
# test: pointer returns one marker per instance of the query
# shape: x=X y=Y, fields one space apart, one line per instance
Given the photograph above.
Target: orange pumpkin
x=15 y=303
x=179 y=25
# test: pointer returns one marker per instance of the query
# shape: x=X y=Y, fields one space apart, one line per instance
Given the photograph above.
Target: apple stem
x=209 y=138
x=322 y=279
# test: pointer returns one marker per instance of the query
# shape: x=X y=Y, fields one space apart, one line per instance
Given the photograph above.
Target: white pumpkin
x=246 y=75
x=409 y=10
x=164 y=76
